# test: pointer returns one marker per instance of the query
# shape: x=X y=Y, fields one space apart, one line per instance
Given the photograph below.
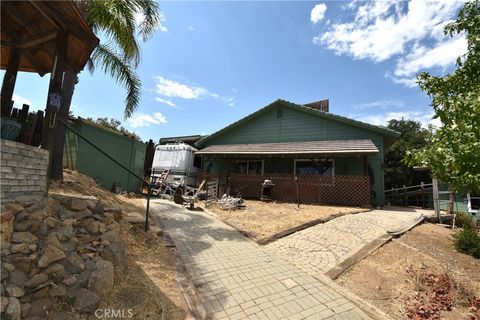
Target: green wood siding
x=301 y=126
x=79 y=155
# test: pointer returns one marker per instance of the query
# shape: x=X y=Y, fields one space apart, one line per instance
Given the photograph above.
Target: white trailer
x=179 y=159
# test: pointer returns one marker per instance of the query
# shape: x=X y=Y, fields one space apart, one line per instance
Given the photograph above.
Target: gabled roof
x=322 y=114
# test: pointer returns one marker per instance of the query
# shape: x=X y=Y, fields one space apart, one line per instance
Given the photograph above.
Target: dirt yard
x=419 y=276
x=149 y=285
x=261 y=220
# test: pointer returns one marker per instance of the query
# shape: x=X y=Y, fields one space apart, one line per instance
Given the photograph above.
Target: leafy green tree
x=118 y=55
x=453 y=150
x=412 y=136
x=115 y=125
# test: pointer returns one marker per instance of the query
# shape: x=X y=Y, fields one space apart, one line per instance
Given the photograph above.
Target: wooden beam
x=36 y=40
x=9 y=80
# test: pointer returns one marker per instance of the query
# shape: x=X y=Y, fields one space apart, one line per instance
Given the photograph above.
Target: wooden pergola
x=42 y=37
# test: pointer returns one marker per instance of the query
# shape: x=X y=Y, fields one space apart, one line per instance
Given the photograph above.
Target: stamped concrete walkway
x=321 y=249
x=238 y=279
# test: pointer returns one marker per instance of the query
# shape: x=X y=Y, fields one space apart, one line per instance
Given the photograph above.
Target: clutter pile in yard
x=58 y=255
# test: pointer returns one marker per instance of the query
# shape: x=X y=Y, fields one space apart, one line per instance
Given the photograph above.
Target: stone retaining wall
x=23 y=170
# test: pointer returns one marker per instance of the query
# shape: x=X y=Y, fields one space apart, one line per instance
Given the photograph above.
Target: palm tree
x=118 y=55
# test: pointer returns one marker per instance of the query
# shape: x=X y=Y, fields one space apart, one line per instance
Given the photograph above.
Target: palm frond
x=113 y=64
x=116 y=19
x=152 y=17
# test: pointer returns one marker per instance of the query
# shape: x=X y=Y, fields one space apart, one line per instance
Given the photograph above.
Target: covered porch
x=335 y=172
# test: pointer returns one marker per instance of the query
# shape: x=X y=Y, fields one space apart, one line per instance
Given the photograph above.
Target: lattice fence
x=312 y=189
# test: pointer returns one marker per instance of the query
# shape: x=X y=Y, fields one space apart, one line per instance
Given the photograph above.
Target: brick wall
x=23 y=170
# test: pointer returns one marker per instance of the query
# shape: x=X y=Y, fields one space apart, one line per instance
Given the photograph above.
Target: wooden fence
x=31 y=124
x=308 y=189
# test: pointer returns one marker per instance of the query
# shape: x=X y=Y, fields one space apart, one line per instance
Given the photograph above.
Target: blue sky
x=212 y=63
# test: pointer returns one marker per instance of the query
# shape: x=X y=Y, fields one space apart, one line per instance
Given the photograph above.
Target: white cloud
x=174 y=89
x=381 y=119
x=167 y=102
x=380 y=104
x=19 y=101
x=145 y=120
x=411 y=32
x=318 y=12
x=190 y=28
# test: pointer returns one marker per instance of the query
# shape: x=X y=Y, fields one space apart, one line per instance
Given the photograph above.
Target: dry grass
x=386 y=275
x=261 y=220
x=149 y=285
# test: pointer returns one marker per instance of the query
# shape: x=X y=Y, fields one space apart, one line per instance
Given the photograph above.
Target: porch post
x=9 y=79
x=56 y=78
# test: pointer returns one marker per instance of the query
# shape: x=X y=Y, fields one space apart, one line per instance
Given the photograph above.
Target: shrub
x=464 y=220
x=468 y=241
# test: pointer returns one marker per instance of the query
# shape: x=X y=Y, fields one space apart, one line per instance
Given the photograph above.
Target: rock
x=38 y=216
x=40 y=307
x=17 y=278
x=51 y=254
x=65 y=230
x=40 y=293
x=38 y=205
x=6 y=226
x=58 y=290
x=4 y=274
x=101 y=227
x=55 y=271
x=14 y=207
x=14 y=291
x=24 y=264
x=99 y=208
x=115 y=253
x=3 y=303
x=51 y=222
x=25 y=309
x=27 y=200
x=86 y=301
x=41 y=230
x=74 y=263
x=13 y=310
x=63 y=213
x=2 y=290
x=78 y=204
x=108 y=218
x=110 y=236
x=63 y=315
x=36 y=280
x=22 y=226
x=70 y=280
x=52 y=239
x=83 y=214
x=26 y=299
x=15 y=248
x=101 y=280
x=70 y=246
x=92 y=226
x=90 y=264
x=21 y=237
x=8 y=266
x=21 y=216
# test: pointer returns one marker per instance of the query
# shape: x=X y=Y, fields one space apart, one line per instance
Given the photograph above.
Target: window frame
x=248 y=166
x=310 y=160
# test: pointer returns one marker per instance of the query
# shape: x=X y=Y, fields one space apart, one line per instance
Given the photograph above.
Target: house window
x=323 y=167
x=249 y=167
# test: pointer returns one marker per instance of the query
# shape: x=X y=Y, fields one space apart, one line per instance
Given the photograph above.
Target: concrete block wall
x=23 y=170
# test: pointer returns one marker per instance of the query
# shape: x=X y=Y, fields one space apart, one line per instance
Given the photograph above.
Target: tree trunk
x=68 y=87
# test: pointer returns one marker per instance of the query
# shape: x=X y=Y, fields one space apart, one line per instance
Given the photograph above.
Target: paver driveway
x=238 y=279
x=320 y=248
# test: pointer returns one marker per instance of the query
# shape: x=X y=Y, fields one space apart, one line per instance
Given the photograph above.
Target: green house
x=79 y=155
x=309 y=154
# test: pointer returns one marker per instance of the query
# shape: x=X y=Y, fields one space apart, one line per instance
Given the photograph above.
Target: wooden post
x=50 y=123
x=9 y=79
x=436 y=200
